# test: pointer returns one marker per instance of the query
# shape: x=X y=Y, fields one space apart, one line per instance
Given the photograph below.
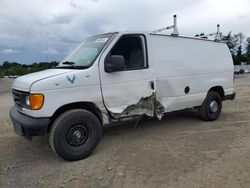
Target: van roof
x=167 y=35
x=187 y=37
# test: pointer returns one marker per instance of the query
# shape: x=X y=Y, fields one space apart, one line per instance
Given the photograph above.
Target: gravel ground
x=178 y=151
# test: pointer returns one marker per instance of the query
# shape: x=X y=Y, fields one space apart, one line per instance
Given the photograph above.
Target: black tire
x=75 y=134
x=206 y=112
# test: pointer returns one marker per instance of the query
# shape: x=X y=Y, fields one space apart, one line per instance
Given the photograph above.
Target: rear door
x=124 y=91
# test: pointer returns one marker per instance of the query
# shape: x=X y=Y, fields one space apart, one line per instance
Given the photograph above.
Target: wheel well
x=91 y=107
x=219 y=90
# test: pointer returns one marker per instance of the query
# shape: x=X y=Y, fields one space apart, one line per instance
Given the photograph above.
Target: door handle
x=152 y=85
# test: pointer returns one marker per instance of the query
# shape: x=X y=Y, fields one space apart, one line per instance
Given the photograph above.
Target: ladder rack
x=174 y=26
x=217 y=34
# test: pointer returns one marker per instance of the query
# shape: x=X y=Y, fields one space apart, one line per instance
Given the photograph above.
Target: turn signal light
x=36 y=101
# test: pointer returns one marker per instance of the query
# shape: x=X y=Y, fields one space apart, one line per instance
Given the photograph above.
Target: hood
x=24 y=82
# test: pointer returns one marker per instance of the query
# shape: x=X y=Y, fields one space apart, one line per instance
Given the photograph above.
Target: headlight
x=27 y=100
x=34 y=101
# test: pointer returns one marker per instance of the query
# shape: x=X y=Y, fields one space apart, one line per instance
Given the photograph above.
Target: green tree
x=248 y=47
x=239 y=37
x=231 y=41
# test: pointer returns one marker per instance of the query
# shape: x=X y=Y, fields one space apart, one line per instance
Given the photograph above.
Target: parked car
x=117 y=77
x=241 y=71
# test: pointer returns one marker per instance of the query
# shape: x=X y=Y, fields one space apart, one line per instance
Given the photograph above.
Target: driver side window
x=133 y=50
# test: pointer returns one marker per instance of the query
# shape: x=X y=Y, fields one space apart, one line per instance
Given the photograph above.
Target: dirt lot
x=179 y=151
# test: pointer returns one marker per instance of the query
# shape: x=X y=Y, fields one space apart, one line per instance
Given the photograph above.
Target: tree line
x=238 y=44
x=13 y=68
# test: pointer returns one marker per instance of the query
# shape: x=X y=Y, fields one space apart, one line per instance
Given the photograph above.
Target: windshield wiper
x=68 y=63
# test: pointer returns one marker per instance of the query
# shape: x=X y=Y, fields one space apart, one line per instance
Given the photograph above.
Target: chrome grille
x=19 y=98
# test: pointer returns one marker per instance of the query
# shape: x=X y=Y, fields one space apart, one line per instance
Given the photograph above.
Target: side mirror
x=115 y=63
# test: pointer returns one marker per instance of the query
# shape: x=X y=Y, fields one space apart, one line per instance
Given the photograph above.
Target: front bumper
x=28 y=126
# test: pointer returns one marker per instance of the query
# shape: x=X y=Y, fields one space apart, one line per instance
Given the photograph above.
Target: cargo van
x=116 y=77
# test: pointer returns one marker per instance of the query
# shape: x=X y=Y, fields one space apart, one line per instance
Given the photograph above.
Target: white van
x=116 y=77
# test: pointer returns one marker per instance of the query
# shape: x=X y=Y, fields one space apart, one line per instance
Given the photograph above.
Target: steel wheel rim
x=77 y=135
x=213 y=106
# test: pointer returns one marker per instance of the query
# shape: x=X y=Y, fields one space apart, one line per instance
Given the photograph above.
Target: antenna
x=174 y=26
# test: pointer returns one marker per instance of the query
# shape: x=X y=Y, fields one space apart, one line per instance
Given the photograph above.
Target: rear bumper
x=28 y=126
x=229 y=97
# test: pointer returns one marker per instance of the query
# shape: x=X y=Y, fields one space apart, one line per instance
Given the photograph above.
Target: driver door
x=125 y=88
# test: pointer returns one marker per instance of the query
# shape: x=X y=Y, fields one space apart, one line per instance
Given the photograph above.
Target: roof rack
x=217 y=35
x=174 y=27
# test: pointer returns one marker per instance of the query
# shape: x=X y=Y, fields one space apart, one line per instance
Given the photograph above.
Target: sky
x=41 y=30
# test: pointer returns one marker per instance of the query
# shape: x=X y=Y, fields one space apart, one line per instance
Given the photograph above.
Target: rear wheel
x=75 y=134
x=211 y=107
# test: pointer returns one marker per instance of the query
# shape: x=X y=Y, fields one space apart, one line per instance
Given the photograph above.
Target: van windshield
x=85 y=54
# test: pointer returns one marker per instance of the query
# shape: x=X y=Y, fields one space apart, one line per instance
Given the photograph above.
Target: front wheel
x=75 y=134
x=211 y=107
